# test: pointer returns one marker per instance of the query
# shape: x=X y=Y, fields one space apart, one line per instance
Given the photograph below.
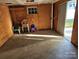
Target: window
x=32 y=10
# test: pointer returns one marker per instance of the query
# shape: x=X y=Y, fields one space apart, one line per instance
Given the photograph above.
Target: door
x=74 y=38
x=55 y=16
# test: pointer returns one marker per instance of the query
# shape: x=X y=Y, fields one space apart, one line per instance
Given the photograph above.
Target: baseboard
x=74 y=44
x=43 y=29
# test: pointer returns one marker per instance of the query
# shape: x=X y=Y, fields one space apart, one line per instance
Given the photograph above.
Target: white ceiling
x=24 y=1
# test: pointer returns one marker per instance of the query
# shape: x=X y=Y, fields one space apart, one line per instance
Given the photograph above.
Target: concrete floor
x=68 y=33
x=38 y=45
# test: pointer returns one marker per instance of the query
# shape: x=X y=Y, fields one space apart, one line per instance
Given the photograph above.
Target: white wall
x=6 y=1
x=44 y=1
x=23 y=1
x=61 y=19
x=52 y=17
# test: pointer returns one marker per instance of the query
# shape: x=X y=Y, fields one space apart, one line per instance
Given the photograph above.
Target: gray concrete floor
x=38 y=45
x=68 y=33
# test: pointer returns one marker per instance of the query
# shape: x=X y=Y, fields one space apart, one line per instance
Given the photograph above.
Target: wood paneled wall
x=5 y=24
x=44 y=11
x=42 y=19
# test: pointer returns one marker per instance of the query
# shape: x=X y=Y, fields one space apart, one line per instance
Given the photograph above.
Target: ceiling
x=24 y=1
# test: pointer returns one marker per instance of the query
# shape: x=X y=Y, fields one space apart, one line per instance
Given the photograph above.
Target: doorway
x=70 y=13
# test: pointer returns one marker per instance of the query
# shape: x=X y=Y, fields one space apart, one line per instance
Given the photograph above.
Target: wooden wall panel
x=5 y=25
x=44 y=11
x=55 y=16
